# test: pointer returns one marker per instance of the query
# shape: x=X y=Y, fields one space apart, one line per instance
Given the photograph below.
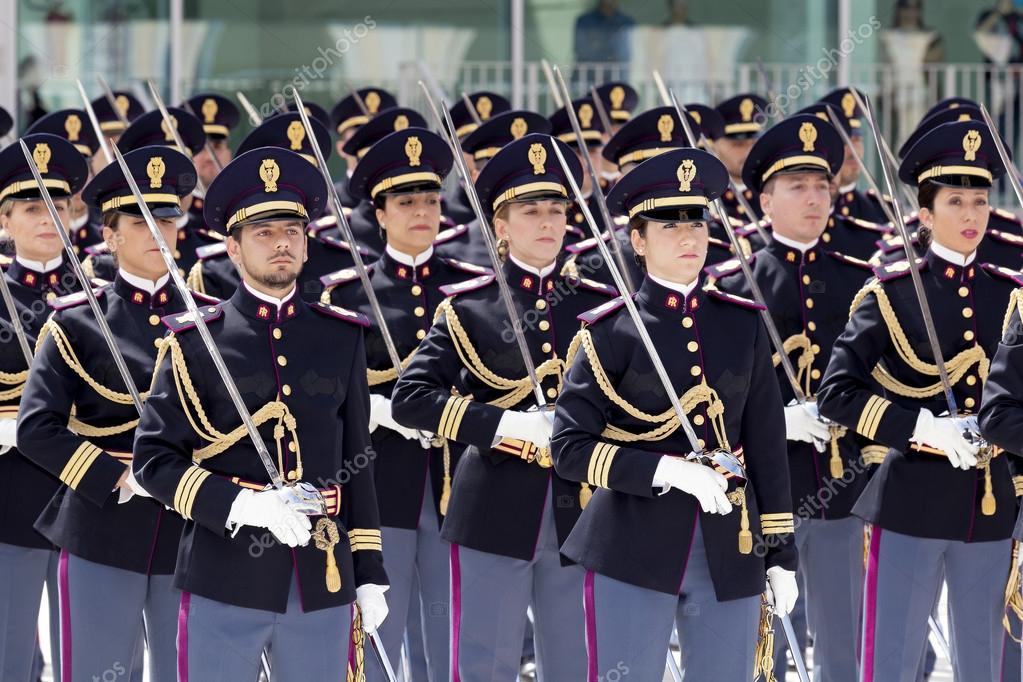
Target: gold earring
x=502 y=248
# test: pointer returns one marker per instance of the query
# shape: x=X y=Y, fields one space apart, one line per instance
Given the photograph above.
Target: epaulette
x=464 y=266
x=342 y=276
x=466 y=286
x=727 y=267
x=97 y=249
x=575 y=231
x=75 y=299
x=894 y=243
x=326 y=221
x=594 y=315
x=732 y=298
x=339 y=313
x=209 y=251
x=450 y=233
x=338 y=243
x=210 y=234
x=1014 y=276
x=183 y=321
x=586 y=244
x=868 y=225
x=842 y=258
x=1006 y=237
x=592 y=285
x=892 y=271
x=873 y=195
x=751 y=228
x=620 y=220
x=1007 y=215
x=200 y=298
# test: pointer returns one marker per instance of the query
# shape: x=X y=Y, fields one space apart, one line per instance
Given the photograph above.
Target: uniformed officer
x=851 y=201
x=619 y=100
x=73 y=125
x=465 y=242
x=38 y=272
x=508 y=511
x=219 y=116
x=487 y=105
x=77 y=422
x=938 y=505
x=744 y=119
x=808 y=289
x=402 y=175
x=111 y=124
x=594 y=135
x=654 y=556
x=347 y=116
x=301 y=372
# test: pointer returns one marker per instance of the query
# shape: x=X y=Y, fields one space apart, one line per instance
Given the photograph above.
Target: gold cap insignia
x=41 y=155
x=518 y=127
x=72 y=126
x=209 y=109
x=372 y=101
x=155 y=170
x=964 y=117
x=167 y=131
x=537 y=156
x=821 y=115
x=953 y=105
x=617 y=96
x=665 y=126
x=848 y=104
x=746 y=109
x=586 y=115
x=400 y=122
x=296 y=133
x=483 y=107
x=122 y=104
x=269 y=172
x=808 y=135
x=685 y=174
x=971 y=143
x=695 y=115
x=413 y=150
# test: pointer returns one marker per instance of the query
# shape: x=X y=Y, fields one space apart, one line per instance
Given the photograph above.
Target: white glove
x=380 y=415
x=131 y=488
x=945 y=434
x=373 y=605
x=702 y=482
x=8 y=434
x=782 y=590
x=268 y=509
x=535 y=427
x=803 y=423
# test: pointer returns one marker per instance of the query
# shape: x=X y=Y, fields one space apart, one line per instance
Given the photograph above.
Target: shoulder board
x=182 y=321
x=892 y=271
x=1007 y=215
x=873 y=195
x=462 y=265
x=1004 y=273
x=1006 y=237
x=718 y=243
x=732 y=298
x=450 y=233
x=97 y=249
x=576 y=231
x=338 y=243
x=750 y=228
x=5 y=261
x=200 y=298
x=327 y=221
x=594 y=315
x=211 y=251
x=868 y=225
x=340 y=313
x=466 y=286
x=342 y=276
x=727 y=267
x=593 y=285
x=620 y=220
x=849 y=260
x=75 y=299
x=894 y=242
x=585 y=245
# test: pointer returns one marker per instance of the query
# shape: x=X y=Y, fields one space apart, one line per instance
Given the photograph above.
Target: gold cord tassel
x=358 y=673
x=584 y=494
x=1013 y=598
x=763 y=663
x=866 y=544
x=445 y=495
x=987 y=503
x=835 y=462
x=326 y=536
x=738 y=497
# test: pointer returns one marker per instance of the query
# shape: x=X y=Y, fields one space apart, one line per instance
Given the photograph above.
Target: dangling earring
x=502 y=249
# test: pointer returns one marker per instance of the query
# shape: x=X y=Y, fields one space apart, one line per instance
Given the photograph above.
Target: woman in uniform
x=509 y=511
x=77 y=421
x=938 y=505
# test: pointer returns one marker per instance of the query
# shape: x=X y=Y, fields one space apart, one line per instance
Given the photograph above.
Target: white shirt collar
x=39 y=266
x=847 y=188
x=406 y=259
x=792 y=243
x=148 y=286
x=270 y=299
x=684 y=289
x=542 y=272
x=182 y=221
x=953 y=257
x=80 y=220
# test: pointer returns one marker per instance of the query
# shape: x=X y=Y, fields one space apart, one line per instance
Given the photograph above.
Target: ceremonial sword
x=885 y=151
x=172 y=128
x=91 y=113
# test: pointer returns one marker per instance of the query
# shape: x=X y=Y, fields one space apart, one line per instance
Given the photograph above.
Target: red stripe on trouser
x=183 y=637
x=456 y=611
x=589 y=608
x=870 y=605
